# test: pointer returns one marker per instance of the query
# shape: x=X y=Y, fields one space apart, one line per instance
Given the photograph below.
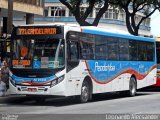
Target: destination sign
x=37 y=31
x=21 y=62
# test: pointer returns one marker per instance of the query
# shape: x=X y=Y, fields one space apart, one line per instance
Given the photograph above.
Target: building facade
x=112 y=19
x=21 y=9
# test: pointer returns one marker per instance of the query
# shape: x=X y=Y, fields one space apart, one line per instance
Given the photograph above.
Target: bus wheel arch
x=132 y=86
x=86 y=90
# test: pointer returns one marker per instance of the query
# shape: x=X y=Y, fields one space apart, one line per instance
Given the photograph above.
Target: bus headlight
x=13 y=82
x=57 y=80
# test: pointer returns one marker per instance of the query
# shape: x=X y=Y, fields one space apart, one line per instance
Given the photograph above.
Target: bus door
x=72 y=64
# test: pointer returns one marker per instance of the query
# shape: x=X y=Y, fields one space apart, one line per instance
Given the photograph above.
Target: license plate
x=32 y=89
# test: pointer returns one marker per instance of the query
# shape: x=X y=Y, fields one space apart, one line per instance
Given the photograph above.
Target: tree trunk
x=131 y=29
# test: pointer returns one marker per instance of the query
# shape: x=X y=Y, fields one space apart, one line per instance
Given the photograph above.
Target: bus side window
x=73 y=51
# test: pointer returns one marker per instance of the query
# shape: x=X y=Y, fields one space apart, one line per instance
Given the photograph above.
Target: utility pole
x=10 y=17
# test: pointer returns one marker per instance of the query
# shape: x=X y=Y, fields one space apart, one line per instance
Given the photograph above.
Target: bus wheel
x=132 y=87
x=85 y=92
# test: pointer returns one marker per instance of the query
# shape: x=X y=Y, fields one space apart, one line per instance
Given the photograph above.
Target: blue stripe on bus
x=36 y=80
x=98 y=32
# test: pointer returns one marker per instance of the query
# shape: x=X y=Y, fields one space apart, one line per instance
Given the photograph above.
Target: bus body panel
x=119 y=74
x=117 y=82
x=158 y=79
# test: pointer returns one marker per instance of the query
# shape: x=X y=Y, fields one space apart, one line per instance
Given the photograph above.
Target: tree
x=75 y=5
x=132 y=7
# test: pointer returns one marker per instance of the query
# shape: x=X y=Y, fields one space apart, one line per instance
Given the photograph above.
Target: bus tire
x=85 y=92
x=132 y=87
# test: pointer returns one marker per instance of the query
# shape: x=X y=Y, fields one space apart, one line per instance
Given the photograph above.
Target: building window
x=121 y=15
x=147 y=22
x=109 y=14
x=57 y=11
x=115 y=14
x=46 y=12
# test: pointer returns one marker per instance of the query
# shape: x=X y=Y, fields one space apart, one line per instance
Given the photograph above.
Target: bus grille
x=38 y=88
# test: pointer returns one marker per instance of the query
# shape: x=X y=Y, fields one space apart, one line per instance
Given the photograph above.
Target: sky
x=155 y=24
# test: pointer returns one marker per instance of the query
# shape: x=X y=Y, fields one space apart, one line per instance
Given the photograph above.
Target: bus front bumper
x=57 y=90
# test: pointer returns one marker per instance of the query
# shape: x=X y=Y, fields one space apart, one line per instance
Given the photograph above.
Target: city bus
x=69 y=60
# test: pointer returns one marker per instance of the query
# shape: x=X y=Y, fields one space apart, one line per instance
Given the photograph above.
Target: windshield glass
x=38 y=53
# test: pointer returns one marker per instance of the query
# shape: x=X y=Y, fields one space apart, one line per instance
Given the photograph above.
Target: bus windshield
x=38 y=53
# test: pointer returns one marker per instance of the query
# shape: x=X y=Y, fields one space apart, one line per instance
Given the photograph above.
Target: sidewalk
x=13 y=100
x=2 y=88
x=6 y=94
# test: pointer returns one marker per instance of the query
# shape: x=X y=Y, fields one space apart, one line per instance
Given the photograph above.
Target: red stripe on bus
x=130 y=71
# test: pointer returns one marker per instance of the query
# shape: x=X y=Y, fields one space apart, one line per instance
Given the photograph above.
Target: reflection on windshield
x=38 y=53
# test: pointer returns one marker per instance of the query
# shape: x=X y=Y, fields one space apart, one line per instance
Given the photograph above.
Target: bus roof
x=121 y=34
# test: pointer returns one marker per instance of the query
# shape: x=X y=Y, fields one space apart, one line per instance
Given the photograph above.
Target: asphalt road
x=21 y=107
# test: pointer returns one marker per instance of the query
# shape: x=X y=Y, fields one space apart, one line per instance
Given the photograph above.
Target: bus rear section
x=158 y=62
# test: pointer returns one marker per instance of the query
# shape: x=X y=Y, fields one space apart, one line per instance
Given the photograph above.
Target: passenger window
x=73 y=51
x=113 y=48
x=123 y=49
x=133 y=50
x=101 y=51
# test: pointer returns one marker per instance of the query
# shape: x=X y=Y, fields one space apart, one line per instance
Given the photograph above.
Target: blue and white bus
x=68 y=60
